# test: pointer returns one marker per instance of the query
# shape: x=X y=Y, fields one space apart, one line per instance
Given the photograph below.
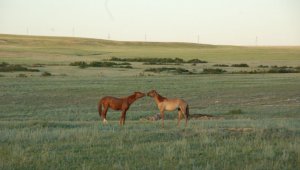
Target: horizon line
x=183 y=42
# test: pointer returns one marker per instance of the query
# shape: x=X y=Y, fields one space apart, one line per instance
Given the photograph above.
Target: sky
x=224 y=22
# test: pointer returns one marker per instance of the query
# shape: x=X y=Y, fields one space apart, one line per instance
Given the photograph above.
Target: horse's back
x=110 y=99
x=176 y=101
x=172 y=104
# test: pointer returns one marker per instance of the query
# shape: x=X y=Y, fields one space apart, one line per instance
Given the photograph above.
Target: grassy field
x=52 y=122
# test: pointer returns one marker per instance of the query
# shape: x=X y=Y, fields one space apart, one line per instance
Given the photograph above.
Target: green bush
x=234 y=112
x=22 y=75
x=283 y=70
x=83 y=64
x=160 y=63
x=240 y=65
x=221 y=65
x=213 y=71
x=263 y=66
x=46 y=74
x=5 y=67
x=157 y=61
x=169 y=69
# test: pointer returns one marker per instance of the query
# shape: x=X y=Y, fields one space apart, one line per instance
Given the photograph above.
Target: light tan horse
x=164 y=103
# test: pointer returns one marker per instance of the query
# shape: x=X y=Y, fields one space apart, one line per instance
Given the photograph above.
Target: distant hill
x=33 y=49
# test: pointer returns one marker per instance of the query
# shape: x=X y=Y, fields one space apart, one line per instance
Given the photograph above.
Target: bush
x=213 y=71
x=169 y=69
x=5 y=67
x=157 y=61
x=81 y=64
x=283 y=70
x=22 y=75
x=240 y=65
x=263 y=66
x=221 y=65
x=46 y=74
x=3 y=64
x=234 y=112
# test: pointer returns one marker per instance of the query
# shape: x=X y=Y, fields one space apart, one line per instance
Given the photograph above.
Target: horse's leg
x=103 y=114
x=179 y=117
x=162 y=115
x=123 y=116
x=184 y=112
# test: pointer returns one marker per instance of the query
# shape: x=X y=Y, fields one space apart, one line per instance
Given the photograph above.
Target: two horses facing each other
x=163 y=104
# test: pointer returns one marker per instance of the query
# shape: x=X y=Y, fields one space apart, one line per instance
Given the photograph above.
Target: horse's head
x=152 y=93
x=139 y=94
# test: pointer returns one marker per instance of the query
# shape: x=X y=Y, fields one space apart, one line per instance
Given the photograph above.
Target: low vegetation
x=177 y=70
x=83 y=64
x=221 y=65
x=240 y=65
x=213 y=71
x=263 y=66
x=234 y=112
x=159 y=63
x=46 y=74
x=158 y=60
x=284 y=70
x=5 y=67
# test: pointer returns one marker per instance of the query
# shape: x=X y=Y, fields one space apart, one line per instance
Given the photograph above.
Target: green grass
x=52 y=122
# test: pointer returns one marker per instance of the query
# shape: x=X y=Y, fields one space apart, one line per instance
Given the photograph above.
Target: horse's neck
x=159 y=98
x=131 y=99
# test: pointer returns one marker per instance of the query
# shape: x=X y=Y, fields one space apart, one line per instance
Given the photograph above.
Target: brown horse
x=164 y=103
x=122 y=104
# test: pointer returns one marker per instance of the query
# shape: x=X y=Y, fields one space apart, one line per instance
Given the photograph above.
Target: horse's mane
x=160 y=98
x=131 y=98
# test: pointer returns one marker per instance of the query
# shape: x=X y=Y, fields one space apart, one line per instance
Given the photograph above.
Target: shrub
x=152 y=61
x=169 y=69
x=22 y=75
x=221 y=65
x=5 y=67
x=240 y=65
x=102 y=64
x=263 y=66
x=283 y=70
x=160 y=63
x=81 y=64
x=46 y=74
x=234 y=112
x=3 y=64
x=213 y=71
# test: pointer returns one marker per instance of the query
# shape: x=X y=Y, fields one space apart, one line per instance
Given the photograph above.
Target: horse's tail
x=187 y=112
x=100 y=108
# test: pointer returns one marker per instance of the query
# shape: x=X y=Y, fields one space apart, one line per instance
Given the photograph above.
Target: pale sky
x=230 y=22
